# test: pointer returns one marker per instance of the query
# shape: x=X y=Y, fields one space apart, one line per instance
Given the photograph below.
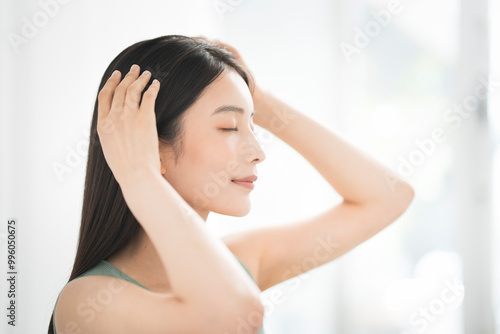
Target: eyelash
x=234 y=129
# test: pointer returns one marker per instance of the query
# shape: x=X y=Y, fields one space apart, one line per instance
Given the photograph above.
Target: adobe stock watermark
x=75 y=155
x=92 y=305
x=73 y=158
x=292 y=280
x=297 y=274
x=453 y=117
x=31 y=26
x=371 y=30
x=223 y=6
x=281 y=118
x=450 y=297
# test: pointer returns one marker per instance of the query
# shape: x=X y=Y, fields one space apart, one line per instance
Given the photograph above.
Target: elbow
x=398 y=197
x=406 y=196
x=255 y=314
x=400 y=203
x=393 y=207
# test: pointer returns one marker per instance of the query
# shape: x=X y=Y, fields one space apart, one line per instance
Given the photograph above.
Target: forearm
x=200 y=267
x=357 y=177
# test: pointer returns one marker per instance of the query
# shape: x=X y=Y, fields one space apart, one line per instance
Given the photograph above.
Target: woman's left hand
x=257 y=92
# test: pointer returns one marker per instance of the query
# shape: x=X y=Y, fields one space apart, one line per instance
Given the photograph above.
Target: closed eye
x=234 y=129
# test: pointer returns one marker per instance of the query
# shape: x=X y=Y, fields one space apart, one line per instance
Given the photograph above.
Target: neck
x=140 y=260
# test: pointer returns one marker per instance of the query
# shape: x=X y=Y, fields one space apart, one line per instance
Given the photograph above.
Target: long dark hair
x=185 y=66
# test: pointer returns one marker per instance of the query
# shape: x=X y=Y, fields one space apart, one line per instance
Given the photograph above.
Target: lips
x=251 y=178
x=246 y=182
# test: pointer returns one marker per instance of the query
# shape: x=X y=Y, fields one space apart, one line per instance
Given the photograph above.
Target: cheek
x=215 y=146
x=219 y=161
x=211 y=152
x=202 y=158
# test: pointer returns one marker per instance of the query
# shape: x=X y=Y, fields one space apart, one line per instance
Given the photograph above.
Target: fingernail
x=146 y=72
x=114 y=74
x=134 y=67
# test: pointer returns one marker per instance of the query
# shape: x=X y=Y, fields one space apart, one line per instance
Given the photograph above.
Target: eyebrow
x=230 y=108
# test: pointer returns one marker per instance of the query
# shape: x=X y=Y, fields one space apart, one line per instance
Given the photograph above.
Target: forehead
x=228 y=89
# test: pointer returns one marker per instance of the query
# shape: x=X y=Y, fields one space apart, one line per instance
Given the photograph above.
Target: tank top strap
x=245 y=267
x=107 y=269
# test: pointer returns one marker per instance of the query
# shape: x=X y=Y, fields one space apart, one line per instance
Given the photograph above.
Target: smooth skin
x=159 y=191
x=206 y=289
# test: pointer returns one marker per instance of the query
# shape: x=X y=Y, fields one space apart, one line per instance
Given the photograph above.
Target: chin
x=233 y=209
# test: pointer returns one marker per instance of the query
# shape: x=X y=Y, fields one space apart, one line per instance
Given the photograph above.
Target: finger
x=210 y=40
x=149 y=97
x=201 y=37
x=121 y=89
x=220 y=43
x=228 y=47
x=105 y=96
x=133 y=95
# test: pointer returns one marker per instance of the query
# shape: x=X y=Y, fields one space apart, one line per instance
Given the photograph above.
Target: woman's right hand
x=127 y=130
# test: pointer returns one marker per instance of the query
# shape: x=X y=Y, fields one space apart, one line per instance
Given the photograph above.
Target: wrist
x=264 y=103
x=138 y=176
x=272 y=113
x=258 y=94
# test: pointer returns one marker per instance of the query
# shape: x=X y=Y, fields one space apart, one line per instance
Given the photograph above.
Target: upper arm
x=104 y=304
x=288 y=250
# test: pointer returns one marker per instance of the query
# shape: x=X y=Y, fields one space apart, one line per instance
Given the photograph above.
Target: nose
x=258 y=154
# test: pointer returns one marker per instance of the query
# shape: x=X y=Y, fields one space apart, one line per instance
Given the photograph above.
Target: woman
x=165 y=154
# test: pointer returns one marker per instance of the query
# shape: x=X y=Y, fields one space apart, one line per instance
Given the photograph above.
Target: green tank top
x=107 y=269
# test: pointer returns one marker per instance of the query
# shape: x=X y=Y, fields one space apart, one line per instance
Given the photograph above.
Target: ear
x=166 y=155
x=163 y=169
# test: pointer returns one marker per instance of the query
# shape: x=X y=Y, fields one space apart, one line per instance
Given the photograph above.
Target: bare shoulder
x=93 y=304
x=81 y=300
x=103 y=304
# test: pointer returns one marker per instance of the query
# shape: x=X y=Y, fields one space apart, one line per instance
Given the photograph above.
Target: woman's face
x=212 y=157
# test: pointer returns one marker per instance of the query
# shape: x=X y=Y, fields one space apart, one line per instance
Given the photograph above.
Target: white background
x=384 y=98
